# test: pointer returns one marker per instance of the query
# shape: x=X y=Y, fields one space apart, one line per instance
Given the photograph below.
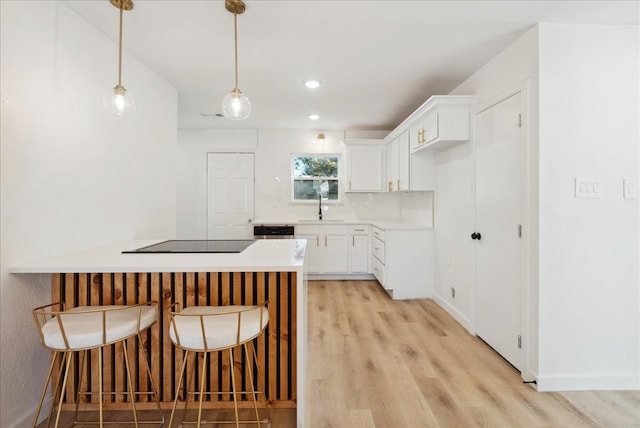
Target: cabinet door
x=415 y=135
x=335 y=254
x=392 y=165
x=365 y=168
x=431 y=129
x=312 y=254
x=403 y=182
x=359 y=254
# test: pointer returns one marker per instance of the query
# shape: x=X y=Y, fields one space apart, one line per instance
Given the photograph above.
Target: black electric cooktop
x=195 y=246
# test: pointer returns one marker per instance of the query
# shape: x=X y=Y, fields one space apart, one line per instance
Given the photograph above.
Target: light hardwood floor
x=378 y=363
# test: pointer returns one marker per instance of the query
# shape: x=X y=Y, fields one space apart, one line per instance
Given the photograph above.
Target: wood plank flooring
x=378 y=363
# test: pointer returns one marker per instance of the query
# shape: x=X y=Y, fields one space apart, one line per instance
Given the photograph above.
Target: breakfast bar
x=267 y=270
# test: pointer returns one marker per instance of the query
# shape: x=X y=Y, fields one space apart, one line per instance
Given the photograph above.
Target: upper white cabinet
x=366 y=165
x=398 y=163
x=440 y=123
x=405 y=171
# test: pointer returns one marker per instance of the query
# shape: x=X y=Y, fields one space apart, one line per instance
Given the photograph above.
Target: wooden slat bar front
x=275 y=349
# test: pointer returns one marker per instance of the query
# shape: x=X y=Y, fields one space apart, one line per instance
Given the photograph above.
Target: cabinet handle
x=349 y=184
x=317 y=241
x=398 y=184
x=325 y=241
x=359 y=230
x=353 y=241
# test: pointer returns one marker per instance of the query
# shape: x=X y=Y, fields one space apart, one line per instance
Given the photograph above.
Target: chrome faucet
x=319 y=207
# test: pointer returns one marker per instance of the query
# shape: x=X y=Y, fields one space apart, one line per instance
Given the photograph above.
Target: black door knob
x=475 y=235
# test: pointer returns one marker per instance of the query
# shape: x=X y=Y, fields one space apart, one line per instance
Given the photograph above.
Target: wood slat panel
x=275 y=349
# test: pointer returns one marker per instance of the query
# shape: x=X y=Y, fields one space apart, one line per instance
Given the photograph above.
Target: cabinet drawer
x=378 y=270
x=378 y=233
x=378 y=250
x=359 y=229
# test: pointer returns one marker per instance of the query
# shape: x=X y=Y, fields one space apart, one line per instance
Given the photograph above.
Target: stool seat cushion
x=84 y=330
x=220 y=325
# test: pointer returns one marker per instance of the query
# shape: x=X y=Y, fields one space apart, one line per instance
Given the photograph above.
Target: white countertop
x=264 y=255
x=382 y=224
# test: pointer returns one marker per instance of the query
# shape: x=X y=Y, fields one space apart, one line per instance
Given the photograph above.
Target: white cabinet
x=398 y=164
x=366 y=165
x=334 y=254
x=406 y=171
x=359 y=249
x=312 y=254
x=442 y=122
x=335 y=249
x=403 y=261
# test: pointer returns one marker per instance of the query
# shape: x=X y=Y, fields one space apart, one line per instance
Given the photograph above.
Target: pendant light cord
x=120 y=49
x=235 y=37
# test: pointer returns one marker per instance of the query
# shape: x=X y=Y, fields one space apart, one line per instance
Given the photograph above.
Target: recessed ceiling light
x=314 y=117
x=312 y=84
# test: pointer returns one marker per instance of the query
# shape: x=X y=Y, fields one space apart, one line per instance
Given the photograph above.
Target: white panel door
x=230 y=186
x=499 y=175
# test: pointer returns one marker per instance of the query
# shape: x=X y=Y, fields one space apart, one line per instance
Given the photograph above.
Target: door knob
x=475 y=235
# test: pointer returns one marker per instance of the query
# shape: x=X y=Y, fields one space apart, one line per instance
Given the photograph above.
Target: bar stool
x=82 y=329
x=207 y=329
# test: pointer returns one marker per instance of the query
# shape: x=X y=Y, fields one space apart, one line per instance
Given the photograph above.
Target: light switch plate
x=588 y=187
x=630 y=189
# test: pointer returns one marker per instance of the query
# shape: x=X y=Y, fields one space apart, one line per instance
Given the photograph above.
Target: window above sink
x=315 y=175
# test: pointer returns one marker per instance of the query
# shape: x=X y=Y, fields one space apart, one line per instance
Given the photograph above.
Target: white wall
x=582 y=326
x=589 y=281
x=72 y=177
x=273 y=149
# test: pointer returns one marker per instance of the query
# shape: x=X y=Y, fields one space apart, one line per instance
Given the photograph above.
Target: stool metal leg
x=69 y=356
x=131 y=393
x=154 y=390
x=253 y=391
x=44 y=389
x=203 y=377
x=100 y=384
x=233 y=386
x=175 y=399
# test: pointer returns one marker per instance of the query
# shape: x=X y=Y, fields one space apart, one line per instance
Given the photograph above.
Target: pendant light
x=119 y=101
x=235 y=105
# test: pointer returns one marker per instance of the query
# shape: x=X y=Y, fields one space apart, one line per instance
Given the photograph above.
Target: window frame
x=337 y=178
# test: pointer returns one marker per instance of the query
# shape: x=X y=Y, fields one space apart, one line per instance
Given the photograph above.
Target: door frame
x=529 y=191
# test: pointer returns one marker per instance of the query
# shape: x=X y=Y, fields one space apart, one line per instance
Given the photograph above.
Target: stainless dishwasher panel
x=273 y=231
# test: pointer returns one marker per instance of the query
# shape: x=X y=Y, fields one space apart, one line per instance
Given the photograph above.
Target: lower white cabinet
x=359 y=249
x=335 y=249
x=403 y=261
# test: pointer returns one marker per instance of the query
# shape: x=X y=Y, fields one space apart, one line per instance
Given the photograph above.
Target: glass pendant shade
x=119 y=101
x=236 y=106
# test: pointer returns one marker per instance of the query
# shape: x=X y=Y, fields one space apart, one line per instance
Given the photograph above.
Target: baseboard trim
x=457 y=315
x=600 y=382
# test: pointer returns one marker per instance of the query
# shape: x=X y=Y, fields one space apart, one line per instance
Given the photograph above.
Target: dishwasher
x=273 y=231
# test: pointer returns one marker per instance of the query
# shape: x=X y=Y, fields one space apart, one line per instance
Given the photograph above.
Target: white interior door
x=230 y=187
x=499 y=175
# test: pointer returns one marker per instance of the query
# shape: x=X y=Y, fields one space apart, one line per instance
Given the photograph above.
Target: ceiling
x=377 y=60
